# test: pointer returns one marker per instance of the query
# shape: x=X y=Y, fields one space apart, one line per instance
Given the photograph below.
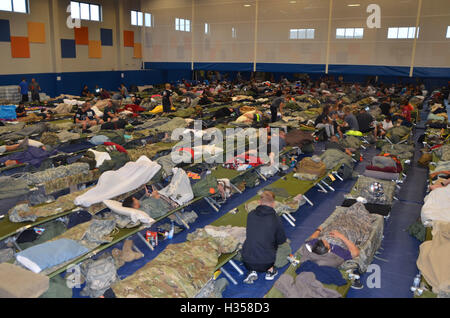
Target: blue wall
x=71 y=83
x=432 y=77
x=158 y=73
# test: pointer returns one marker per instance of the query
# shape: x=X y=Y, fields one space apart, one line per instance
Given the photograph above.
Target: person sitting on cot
x=86 y=117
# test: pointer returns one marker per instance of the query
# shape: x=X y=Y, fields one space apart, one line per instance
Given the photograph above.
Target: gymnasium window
x=402 y=32
x=182 y=25
x=206 y=28
x=301 y=34
x=148 y=20
x=349 y=33
x=85 y=11
x=20 y=6
x=233 y=33
x=139 y=19
x=448 y=32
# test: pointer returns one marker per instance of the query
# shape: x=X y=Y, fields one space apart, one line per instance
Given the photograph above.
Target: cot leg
x=337 y=175
x=308 y=200
x=291 y=217
x=395 y=198
x=211 y=205
x=321 y=188
x=177 y=215
x=145 y=241
x=288 y=220
x=236 y=267
x=363 y=147
x=327 y=185
x=236 y=188
x=261 y=176
x=225 y=272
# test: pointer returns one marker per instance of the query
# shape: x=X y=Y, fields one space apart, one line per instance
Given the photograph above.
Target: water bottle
x=417 y=281
x=172 y=229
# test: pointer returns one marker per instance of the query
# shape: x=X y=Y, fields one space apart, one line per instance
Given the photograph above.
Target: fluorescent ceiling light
x=247 y=5
x=353 y=5
x=292 y=2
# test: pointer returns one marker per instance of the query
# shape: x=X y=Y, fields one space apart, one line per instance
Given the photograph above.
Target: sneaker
x=271 y=275
x=357 y=284
x=251 y=277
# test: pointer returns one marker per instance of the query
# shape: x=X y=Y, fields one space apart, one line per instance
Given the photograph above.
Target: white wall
x=46 y=57
x=276 y=17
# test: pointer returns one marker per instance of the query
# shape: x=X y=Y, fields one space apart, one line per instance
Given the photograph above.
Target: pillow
x=49 y=254
x=134 y=214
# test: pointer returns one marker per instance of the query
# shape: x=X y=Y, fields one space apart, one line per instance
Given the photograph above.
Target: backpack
x=99 y=275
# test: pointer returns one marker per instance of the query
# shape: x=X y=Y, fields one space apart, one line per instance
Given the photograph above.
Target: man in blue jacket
x=265 y=233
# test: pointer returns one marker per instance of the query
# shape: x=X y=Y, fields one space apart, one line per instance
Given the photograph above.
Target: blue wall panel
x=5 y=32
x=106 y=37
x=68 y=49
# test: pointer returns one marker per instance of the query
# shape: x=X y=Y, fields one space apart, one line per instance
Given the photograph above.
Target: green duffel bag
x=205 y=186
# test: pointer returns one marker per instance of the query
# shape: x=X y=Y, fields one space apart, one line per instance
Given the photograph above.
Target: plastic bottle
x=172 y=229
x=417 y=281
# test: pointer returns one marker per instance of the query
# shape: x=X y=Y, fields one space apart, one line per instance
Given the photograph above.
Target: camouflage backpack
x=99 y=275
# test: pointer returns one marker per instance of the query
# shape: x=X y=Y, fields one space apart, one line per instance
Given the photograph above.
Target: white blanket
x=100 y=157
x=113 y=183
x=437 y=206
x=179 y=189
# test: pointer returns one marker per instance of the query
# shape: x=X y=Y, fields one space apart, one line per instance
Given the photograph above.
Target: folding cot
x=367 y=253
x=238 y=216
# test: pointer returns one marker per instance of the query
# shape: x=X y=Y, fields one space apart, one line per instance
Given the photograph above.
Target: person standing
x=23 y=90
x=277 y=103
x=264 y=234
x=35 y=88
x=167 y=99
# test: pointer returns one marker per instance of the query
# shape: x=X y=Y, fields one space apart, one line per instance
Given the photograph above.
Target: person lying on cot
x=264 y=234
x=224 y=113
x=333 y=143
x=251 y=117
x=22 y=145
x=322 y=246
x=32 y=154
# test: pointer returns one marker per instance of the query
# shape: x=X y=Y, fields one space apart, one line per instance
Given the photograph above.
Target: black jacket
x=264 y=233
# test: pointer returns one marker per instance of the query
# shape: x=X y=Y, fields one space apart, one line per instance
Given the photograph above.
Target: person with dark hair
x=322 y=246
x=264 y=234
x=85 y=91
x=20 y=110
x=323 y=121
x=131 y=202
x=386 y=106
x=167 y=99
x=35 y=88
x=278 y=102
x=123 y=90
x=110 y=113
x=23 y=90
x=86 y=117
